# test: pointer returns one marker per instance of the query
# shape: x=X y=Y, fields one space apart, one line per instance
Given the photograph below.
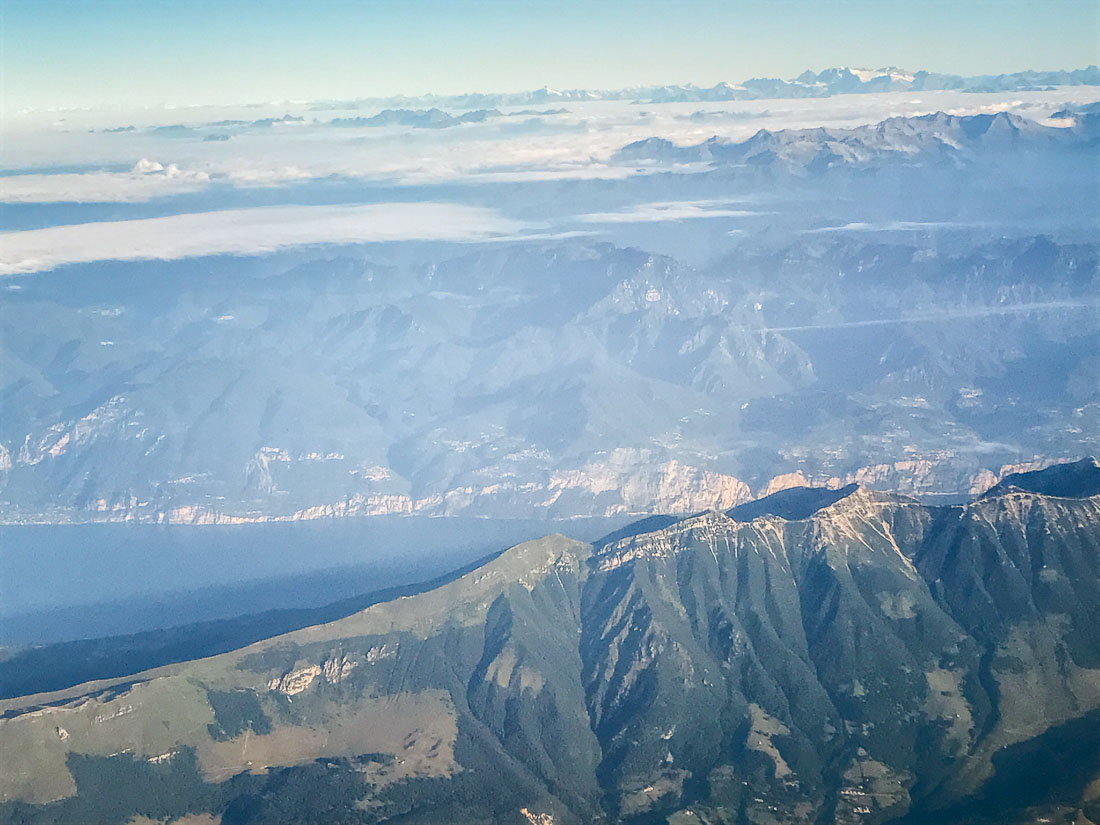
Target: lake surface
x=60 y=582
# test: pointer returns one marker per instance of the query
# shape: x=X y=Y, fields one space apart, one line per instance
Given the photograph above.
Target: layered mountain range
x=833 y=81
x=932 y=139
x=573 y=376
x=568 y=378
x=816 y=656
x=845 y=80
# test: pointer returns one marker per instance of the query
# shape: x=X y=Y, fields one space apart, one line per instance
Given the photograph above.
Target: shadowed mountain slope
x=793 y=503
x=1078 y=479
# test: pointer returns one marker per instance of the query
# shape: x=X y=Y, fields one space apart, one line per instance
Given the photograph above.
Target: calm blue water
x=61 y=582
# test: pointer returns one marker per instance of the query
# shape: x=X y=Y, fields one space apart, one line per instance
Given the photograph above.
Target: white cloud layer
x=102 y=187
x=661 y=211
x=577 y=144
x=246 y=232
x=893 y=226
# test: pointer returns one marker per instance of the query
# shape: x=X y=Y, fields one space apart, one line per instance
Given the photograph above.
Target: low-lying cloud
x=660 y=211
x=580 y=144
x=144 y=183
x=246 y=232
x=892 y=226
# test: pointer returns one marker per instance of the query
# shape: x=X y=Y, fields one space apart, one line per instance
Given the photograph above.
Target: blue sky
x=58 y=53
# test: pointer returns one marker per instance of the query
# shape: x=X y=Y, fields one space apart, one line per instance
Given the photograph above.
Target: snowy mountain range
x=832 y=81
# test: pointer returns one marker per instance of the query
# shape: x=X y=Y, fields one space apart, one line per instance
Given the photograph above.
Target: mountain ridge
x=866 y=662
x=937 y=137
x=1077 y=479
x=218 y=422
x=830 y=81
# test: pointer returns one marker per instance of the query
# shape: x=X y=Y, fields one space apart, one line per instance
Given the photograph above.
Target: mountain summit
x=936 y=138
x=1078 y=479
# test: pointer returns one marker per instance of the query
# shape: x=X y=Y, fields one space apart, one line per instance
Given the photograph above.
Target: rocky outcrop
x=333 y=670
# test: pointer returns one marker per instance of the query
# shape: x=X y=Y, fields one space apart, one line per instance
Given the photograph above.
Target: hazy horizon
x=59 y=55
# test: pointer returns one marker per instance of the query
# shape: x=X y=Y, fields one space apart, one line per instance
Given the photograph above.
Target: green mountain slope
x=865 y=659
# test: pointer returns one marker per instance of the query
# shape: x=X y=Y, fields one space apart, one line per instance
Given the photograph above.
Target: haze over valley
x=679 y=323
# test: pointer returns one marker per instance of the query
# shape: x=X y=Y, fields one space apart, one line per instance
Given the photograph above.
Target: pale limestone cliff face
x=625 y=483
x=537 y=818
x=299 y=679
x=198 y=515
x=296 y=681
x=785 y=482
x=258 y=472
x=621 y=482
x=929 y=474
x=683 y=489
x=358 y=505
x=909 y=477
x=982 y=482
x=670 y=487
x=987 y=479
x=66 y=435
